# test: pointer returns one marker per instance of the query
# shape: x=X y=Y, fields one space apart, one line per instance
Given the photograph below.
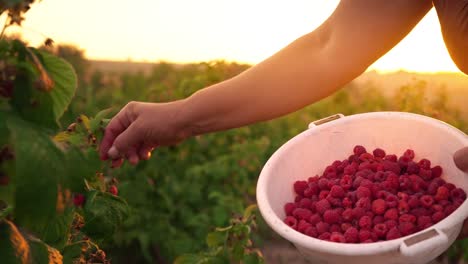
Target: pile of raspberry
x=371 y=197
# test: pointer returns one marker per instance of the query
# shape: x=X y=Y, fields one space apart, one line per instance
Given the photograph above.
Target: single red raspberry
x=113 y=190
x=393 y=233
x=458 y=193
x=438 y=216
x=337 y=191
x=391 y=157
x=364 y=234
x=324 y=236
x=331 y=217
x=379 y=153
x=405 y=183
x=425 y=174
x=305 y=203
x=391 y=166
x=345 y=226
x=315 y=218
x=323 y=183
x=347 y=203
x=311 y=231
x=407 y=218
x=412 y=168
x=363 y=192
x=391 y=200
x=337 y=237
x=378 y=219
x=79 y=200
x=303 y=225
x=365 y=222
x=358 y=150
x=437 y=208
x=426 y=201
x=358 y=212
x=424 y=164
x=300 y=186
x=335 y=228
x=380 y=230
x=403 y=207
x=424 y=222
x=413 y=201
x=432 y=188
x=365 y=165
x=312 y=190
x=420 y=211
x=436 y=171
x=322 y=206
x=450 y=186
x=289 y=208
x=442 y=193
x=409 y=153
x=302 y=214
x=366 y=157
x=351 y=235
x=364 y=203
x=449 y=209
x=347 y=214
x=291 y=221
x=349 y=170
x=403 y=196
x=380 y=176
x=322 y=227
x=407 y=228
x=298 y=199
x=313 y=179
x=379 y=206
x=391 y=214
x=391 y=224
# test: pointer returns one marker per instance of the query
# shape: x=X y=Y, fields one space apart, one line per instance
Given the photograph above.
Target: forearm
x=296 y=76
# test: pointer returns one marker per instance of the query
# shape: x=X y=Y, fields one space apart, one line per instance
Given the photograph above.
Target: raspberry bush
x=55 y=206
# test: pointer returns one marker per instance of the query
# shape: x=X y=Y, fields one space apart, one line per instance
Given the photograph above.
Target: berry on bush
x=79 y=200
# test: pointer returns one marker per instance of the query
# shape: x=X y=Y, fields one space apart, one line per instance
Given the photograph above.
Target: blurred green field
x=185 y=191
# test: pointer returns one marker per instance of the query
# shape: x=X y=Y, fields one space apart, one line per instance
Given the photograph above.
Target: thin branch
x=7 y=24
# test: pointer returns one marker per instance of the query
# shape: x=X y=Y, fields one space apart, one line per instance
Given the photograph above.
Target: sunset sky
x=193 y=31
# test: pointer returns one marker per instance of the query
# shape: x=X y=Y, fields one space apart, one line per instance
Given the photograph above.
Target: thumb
x=461 y=159
x=127 y=140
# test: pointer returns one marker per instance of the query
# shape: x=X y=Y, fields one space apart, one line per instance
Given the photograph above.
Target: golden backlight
x=192 y=31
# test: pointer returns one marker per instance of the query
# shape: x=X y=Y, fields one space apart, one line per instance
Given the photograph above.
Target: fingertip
x=113 y=153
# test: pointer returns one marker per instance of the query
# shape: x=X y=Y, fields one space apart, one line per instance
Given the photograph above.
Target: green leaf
x=42 y=107
x=94 y=123
x=103 y=213
x=56 y=232
x=71 y=252
x=14 y=249
x=253 y=258
x=237 y=251
x=79 y=166
x=214 y=239
x=5 y=212
x=188 y=259
x=38 y=166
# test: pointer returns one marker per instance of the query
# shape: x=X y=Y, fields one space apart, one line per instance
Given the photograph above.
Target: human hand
x=461 y=161
x=138 y=128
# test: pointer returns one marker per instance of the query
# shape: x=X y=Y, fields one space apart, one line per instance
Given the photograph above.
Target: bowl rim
x=350 y=249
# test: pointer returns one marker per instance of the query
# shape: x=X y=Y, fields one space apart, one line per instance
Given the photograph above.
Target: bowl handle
x=325 y=120
x=423 y=243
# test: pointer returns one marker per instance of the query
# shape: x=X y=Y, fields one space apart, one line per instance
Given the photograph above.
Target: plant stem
x=7 y=23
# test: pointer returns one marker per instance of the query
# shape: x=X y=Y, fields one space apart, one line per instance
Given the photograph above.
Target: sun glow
x=189 y=31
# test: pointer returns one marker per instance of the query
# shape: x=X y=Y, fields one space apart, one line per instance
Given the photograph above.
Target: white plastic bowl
x=333 y=138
